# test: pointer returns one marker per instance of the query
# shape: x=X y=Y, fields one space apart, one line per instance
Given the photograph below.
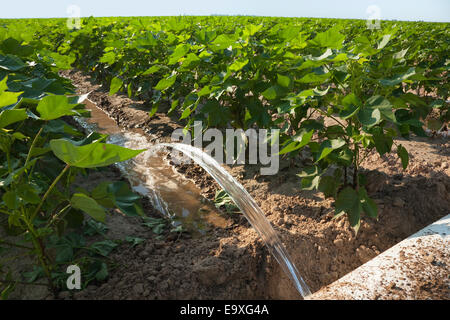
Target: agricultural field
x=362 y=117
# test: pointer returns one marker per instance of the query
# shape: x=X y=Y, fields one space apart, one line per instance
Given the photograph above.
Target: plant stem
x=57 y=215
x=355 y=172
x=49 y=191
x=33 y=144
x=40 y=253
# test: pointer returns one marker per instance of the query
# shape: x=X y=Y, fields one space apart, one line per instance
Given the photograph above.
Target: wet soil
x=232 y=263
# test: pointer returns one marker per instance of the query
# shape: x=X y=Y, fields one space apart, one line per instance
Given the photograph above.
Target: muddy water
x=150 y=175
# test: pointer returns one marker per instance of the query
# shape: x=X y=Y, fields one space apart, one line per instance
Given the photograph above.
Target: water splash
x=248 y=207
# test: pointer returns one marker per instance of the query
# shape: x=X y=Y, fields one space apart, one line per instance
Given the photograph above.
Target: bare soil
x=233 y=263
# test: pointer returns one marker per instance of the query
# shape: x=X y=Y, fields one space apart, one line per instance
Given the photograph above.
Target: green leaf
x=166 y=83
x=369 y=206
x=8 y=98
x=3 y=85
x=351 y=105
x=369 y=116
x=310 y=183
x=8 y=117
x=295 y=145
x=152 y=70
x=403 y=154
x=383 y=143
x=53 y=107
x=328 y=185
x=398 y=78
x=92 y=155
x=64 y=254
x=28 y=194
x=331 y=38
x=283 y=81
x=108 y=58
x=11 y=200
x=11 y=63
x=238 y=65
x=104 y=248
x=116 y=85
x=179 y=52
x=191 y=61
x=313 y=77
x=328 y=146
x=124 y=199
x=348 y=202
x=88 y=205
x=270 y=93
x=134 y=240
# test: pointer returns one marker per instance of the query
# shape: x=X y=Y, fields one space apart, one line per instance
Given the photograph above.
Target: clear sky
x=426 y=10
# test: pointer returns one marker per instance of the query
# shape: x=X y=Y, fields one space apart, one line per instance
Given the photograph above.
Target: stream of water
x=180 y=199
x=248 y=207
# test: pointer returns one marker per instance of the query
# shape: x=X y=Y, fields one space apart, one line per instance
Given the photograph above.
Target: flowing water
x=150 y=175
x=248 y=207
x=180 y=199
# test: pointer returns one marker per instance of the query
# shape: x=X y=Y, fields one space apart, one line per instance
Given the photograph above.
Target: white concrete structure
x=416 y=268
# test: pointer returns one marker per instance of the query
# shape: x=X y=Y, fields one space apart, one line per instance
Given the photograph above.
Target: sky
x=412 y=10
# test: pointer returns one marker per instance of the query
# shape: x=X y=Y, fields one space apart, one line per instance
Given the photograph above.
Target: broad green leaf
x=328 y=146
x=369 y=116
x=124 y=199
x=351 y=105
x=152 y=70
x=53 y=107
x=223 y=41
x=398 y=78
x=191 y=61
x=11 y=63
x=179 y=52
x=166 y=83
x=104 y=247
x=3 y=85
x=369 y=206
x=116 y=85
x=383 y=143
x=271 y=93
x=134 y=240
x=108 y=58
x=101 y=194
x=8 y=117
x=328 y=185
x=92 y=155
x=348 y=201
x=403 y=154
x=28 y=193
x=238 y=65
x=8 y=98
x=313 y=77
x=331 y=38
x=88 y=205
x=284 y=81
x=305 y=138
x=11 y=200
